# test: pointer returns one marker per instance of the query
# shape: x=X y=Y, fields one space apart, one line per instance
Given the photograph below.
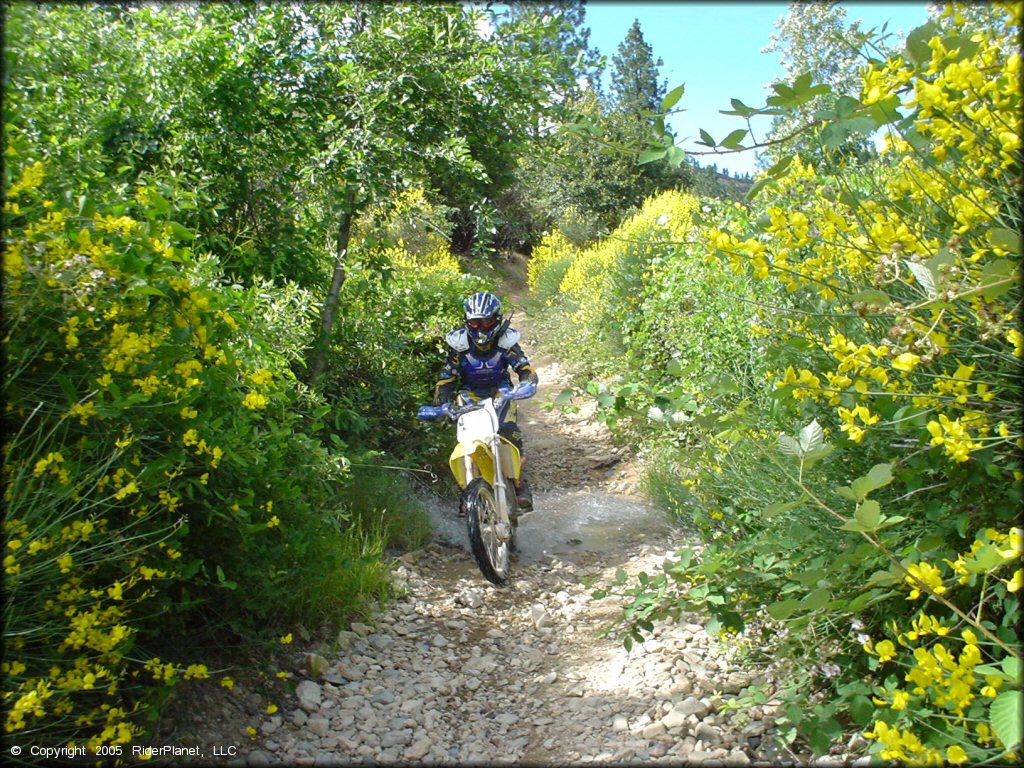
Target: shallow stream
x=564 y=523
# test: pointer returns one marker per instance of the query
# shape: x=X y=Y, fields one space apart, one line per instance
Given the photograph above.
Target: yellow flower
x=273 y=522
x=227 y=682
x=31 y=177
x=906 y=362
x=287 y=639
x=261 y=376
x=1014 y=584
x=885 y=650
x=926 y=574
x=900 y=700
x=255 y=401
x=955 y=755
x=271 y=709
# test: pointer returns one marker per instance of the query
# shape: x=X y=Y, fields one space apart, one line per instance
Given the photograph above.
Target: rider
x=482 y=352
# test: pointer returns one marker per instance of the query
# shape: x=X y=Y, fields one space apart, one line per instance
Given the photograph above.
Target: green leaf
x=675 y=156
x=880 y=475
x=705 y=138
x=732 y=141
x=1011 y=666
x=86 y=207
x=784 y=90
x=811 y=437
x=1009 y=671
x=672 y=97
x=819 y=598
x=157 y=203
x=738 y=108
x=1005 y=716
x=783 y=609
x=789 y=446
x=871 y=296
x=813 y=457
x=985 y=559
x=869 y=514
x=996 y=278
x=564 y=396
x=862 y=710
x=781 y=167
x=779 y=507
x=181 y=231
x=650 y=155
x=1007 y=239
x=757 y=187
x=918 y=50
x=145 y=290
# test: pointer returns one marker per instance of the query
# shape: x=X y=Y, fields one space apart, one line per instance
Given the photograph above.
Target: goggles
x=482 y=323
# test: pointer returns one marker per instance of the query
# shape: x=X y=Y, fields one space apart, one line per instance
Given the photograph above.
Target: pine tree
x=635 y=87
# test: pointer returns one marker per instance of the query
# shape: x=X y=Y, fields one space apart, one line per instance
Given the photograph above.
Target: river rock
x=309 y=695
x=540 y=616
x=691 y=706
x=319 y=726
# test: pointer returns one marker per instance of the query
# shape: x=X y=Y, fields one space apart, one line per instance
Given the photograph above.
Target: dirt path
x=459 y=671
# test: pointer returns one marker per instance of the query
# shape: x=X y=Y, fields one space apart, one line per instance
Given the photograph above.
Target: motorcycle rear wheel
x=490 y=540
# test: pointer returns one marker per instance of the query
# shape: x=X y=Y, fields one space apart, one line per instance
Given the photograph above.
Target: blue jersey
x=481 y=373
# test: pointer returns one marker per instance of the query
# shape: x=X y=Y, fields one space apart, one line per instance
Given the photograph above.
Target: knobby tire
x=481 y=510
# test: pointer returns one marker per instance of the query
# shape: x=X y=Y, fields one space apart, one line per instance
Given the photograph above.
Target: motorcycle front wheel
x=490 y=539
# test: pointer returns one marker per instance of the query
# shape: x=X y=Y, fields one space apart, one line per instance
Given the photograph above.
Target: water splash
x=566 y=522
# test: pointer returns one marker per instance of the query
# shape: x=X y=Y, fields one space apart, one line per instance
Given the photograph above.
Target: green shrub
x=160 y=480
x=857 y=510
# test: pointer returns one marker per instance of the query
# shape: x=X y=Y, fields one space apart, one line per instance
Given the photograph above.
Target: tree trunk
x=319 y=357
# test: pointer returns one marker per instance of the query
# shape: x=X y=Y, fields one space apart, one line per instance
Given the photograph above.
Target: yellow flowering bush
x=880 y=428
x=145 y=440
x=548 y=262
x=949 y=695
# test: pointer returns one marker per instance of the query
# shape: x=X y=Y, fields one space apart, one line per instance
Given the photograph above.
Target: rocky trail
x=458 y=671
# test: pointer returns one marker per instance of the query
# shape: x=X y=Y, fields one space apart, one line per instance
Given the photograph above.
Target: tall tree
x=635 y=88
x=565 y=40
x=813 y=38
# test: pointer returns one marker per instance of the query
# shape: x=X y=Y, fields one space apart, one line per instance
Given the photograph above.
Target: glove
x=446 y=409
x=526 y=389
x=427 y=412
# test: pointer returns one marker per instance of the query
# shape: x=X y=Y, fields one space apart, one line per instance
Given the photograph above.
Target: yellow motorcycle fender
x=481 y=457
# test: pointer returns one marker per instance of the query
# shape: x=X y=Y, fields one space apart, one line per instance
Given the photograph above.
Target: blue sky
x=715 y=49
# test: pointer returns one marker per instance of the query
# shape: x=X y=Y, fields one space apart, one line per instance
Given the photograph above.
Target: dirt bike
x=486 y=467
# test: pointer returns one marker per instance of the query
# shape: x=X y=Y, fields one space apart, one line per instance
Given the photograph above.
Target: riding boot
x=524 y=495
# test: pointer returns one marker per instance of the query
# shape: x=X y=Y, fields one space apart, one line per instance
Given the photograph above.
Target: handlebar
x=430 y=412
